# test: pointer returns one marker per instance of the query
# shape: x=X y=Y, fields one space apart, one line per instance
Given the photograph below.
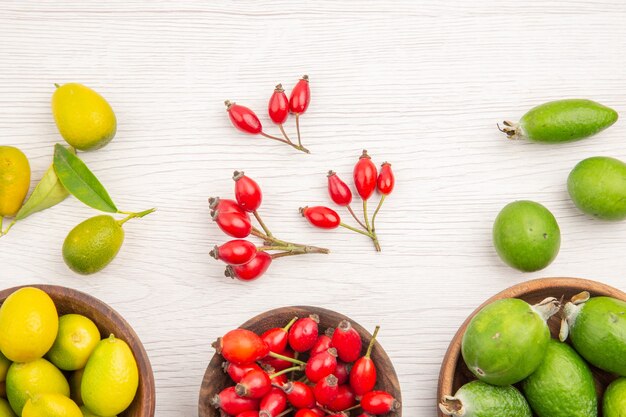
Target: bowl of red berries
x=300 y=362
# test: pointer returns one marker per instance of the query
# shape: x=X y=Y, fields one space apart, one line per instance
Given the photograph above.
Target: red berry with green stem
x=326 y=390
x=347 y=341
x=379 y=402
x=303 y=333
x=341 y=194
x=254 y=384
x=241 y=347
x=278 y=337
x=236 y=372
x=278 y=108
x=247 y=121
x=385 y=183
x=225 y=205
x=235 y=252
x=299 y=101
x=342 y=372
x=299 y=394
x=345 y=399
x=249 y=196
x=232 y=404
x=233 y=224
x=321 y=345
x=322 y=217
x=273 y=403
x=251 y=270
x=280 y=364
x=363 y=374
x=365 y=176
x=321 y=365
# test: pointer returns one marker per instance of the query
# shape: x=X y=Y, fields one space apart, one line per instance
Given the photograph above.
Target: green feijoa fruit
x=562 y=386
x=93 y=244
x=597 y=329
x=597 y=186
x=562 y=121
x=614 y=402
x=526 y=236
x=479 y=399
x=507 y=340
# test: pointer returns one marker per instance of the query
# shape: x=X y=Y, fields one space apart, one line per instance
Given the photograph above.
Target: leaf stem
x=132 y=215
x=263 y=226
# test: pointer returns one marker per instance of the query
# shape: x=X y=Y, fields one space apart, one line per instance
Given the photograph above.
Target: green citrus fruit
x=14 y=180
x=93 y=244
x=28 y=325
x=598 y=187
x=111 y=378
x=51 y=405
x=5 y=409
x=32 y=378
x=526 y=236
x=84 y=118
x=77 y=338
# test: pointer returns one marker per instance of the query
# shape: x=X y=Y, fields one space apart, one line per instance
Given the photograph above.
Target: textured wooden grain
x=108 y=322
x=418 y=83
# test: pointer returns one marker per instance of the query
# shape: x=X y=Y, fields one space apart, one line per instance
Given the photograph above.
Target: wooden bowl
x=454 y=372
x=108 y=321
x=216 y=380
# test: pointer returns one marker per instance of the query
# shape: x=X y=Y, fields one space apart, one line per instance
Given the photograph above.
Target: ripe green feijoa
x=597 y=329
x=479 y=399
x=562 y=121
x=507 y=340
x=526 y=236
x=614 y=402
x=598 y=187
x=562 y=386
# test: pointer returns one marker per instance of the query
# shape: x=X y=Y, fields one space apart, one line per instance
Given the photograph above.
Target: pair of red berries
x=278 y=110
x=245 y=260
x=366 y=180
x=328 y=373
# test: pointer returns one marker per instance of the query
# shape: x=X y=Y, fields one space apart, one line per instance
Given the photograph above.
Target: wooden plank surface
x=418 y=83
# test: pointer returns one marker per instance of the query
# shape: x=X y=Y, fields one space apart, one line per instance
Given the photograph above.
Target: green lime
x=5 y=409
x=614 y=402
x=479 y=399
x=526 y=236
x=32 y=378
x=562 y=386
x=507 y=340
x=51 y=405
x=77 y=338
x=93 y=244
x=111 y=378
x=84 y=118
x=598 y=187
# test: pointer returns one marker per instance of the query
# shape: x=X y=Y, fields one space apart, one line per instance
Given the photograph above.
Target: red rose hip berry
x=379 y=402
x=243 y=118
x=303 y=333
x=338 y=190
x=363 y=373
x=241 y=347
x=278 y=106
x=299 y=394
x=386 y=180
x=251 y=270
x=247 y=192
x=273 y=403
x=233 y=224
x=347 y=341
x=278 y=337
x=235 y=252
x=322 y=217
x=365 y=176
x=236 y=372
x=326 y=390
x=232 y=404
x=321 y=365
x=300 y=96
x=254 y=384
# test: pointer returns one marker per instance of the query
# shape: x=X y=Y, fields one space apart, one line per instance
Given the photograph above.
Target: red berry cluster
x=299 y=371
x=245 y=260
x=366 y=180
x=278 y=109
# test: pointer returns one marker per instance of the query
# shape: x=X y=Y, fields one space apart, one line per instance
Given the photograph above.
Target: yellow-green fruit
x=87 y=412
x=28 y=325
x=14 y=180
x=51 y=405
x=75 y=380
x=5 y=409
x=84 y=118
x=111 y=378
x=93 y=244
x=77 y=338
x=32 y=378
x=4 y=367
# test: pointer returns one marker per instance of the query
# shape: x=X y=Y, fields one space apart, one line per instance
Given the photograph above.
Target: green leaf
x=48 y=192
x=80 y=181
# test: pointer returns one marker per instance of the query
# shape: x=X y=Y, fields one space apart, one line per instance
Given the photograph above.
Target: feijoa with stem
x=479 y=399
x=507 y=340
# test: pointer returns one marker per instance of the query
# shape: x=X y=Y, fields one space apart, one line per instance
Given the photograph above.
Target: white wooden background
x=418 y=83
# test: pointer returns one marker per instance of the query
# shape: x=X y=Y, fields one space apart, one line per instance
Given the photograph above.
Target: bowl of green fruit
x=64 y=353
x=547 y=348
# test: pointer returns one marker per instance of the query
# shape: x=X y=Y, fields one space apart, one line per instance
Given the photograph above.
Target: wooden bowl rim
x=147 y=387
x=453 y=353
x=313 y=310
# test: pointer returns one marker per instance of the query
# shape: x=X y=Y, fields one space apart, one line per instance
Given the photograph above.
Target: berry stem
x=286 y=412
x=282 y=130
x=286 y=358
x=367 y=221
x=380 y=203
x=298 y=129
x=285 y=371
x=371 y=345
x=134 y=215
x=288 y=325
x=355 y=217
x=354 y=407
x=263 y=226
x=354 y=229
x=298 y=147
x=272 y=243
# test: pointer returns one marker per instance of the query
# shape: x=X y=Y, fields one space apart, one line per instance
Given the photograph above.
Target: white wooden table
x=420 y=84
